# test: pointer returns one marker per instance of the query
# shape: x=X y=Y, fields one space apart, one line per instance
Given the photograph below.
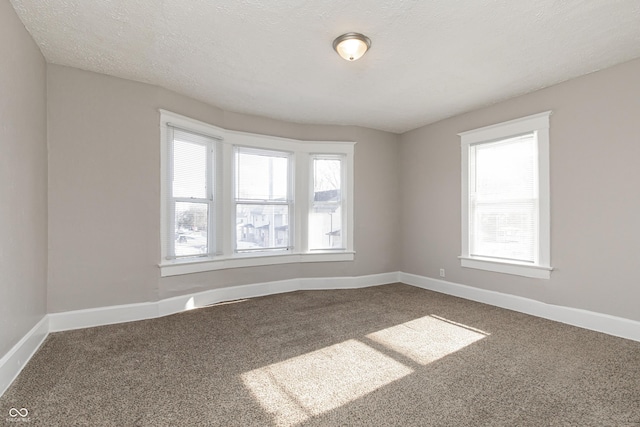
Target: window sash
x=270 y=228
x=179 y=236
x=506 y=234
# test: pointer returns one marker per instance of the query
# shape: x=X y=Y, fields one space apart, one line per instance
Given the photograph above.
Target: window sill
x=518 y=269
x=198 y=265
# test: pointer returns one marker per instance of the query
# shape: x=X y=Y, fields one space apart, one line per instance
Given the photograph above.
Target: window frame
x=224 y=229
x=539 y=125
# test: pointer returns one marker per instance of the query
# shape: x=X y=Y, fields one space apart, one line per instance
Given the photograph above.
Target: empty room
x=297 y=213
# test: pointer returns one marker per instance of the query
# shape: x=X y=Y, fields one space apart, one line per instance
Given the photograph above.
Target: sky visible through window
x=261 y=176
x=326 y=175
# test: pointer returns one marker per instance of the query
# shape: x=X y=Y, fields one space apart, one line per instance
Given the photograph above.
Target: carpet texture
x=391 y=355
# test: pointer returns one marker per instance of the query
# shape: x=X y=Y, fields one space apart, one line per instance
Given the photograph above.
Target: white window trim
x=538 y=123
x=225 y=257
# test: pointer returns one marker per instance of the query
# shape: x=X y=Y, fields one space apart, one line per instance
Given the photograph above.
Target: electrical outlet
x=442 y=272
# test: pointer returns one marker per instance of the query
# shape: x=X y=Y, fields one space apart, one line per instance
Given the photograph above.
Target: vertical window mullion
x=171 y=232
x=302 y=204
x=291 y=197
x=211 y=231
x=343 y=204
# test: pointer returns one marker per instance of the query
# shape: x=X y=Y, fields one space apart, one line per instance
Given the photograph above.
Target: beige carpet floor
x=390 y=355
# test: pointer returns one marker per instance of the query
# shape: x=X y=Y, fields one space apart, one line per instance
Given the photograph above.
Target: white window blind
x=503 y=199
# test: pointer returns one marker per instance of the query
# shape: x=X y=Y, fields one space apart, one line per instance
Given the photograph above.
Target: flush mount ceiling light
x=351 y=46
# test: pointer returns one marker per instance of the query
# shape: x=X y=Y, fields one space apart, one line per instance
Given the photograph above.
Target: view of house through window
x=233 y=199
x=325 y=219
x=191 y=229
x=262 y=199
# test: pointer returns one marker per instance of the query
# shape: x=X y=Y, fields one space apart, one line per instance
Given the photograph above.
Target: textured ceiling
x=429 y=59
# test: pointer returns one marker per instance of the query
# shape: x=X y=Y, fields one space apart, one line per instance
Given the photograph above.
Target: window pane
x=261 y=176
x=189 y=169
x=261 y=227
x=327 y=179
x=325 y=227
x=504 y=230
x=191 y=228
x=506 y=169
x=503 y=199
x=325 y=218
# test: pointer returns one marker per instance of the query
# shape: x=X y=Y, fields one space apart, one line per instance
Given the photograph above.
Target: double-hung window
x=326 y=220
x=263 y=200
x=190 y=195
x=233 y=199
x=505 y=187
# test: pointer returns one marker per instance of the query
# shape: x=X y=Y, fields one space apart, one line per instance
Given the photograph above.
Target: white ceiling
x=429 y=59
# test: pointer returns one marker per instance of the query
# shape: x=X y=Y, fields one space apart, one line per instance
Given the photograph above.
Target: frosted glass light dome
x=351 y=46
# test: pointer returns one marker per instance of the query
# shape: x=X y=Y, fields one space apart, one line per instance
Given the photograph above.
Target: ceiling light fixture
x=351 y=46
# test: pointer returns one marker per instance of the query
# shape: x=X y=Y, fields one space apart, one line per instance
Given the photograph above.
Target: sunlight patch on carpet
x=427 y=339
x=311 y=384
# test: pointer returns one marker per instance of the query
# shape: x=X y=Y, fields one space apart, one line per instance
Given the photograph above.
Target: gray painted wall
x=104 y=193
x=103 y=196
x=23 y=181
x=595 y=197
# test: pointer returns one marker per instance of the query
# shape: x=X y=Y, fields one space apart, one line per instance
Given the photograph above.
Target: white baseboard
x=12 y=363
x=78 y=319
x=319 y=283
x=187 y=302
x=87 y=318
x=616 y=326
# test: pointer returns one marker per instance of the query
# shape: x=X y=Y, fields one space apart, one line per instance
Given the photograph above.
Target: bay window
x=233 y=199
